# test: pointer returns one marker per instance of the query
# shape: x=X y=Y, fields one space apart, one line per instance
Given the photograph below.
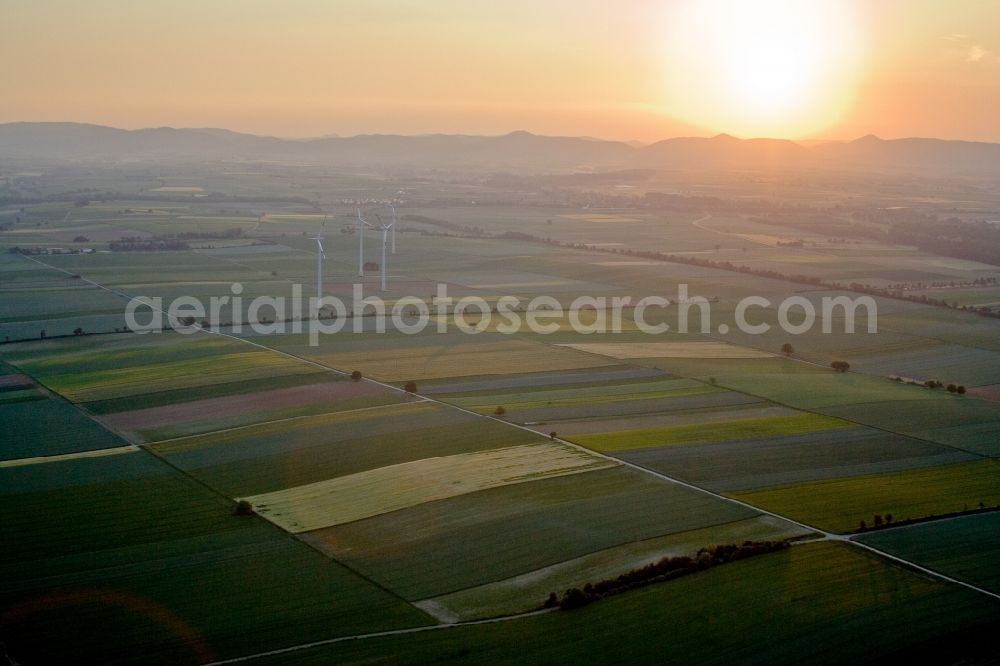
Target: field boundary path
x=97 y=453
x=380 y=634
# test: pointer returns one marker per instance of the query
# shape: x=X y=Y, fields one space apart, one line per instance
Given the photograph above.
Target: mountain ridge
x=519 y=149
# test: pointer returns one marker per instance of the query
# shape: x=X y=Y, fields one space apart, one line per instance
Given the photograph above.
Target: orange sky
x=631 y=69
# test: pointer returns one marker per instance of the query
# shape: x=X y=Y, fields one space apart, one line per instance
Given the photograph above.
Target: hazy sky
x=625 y=69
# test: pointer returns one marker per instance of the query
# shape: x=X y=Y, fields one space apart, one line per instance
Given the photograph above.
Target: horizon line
x=632 y=143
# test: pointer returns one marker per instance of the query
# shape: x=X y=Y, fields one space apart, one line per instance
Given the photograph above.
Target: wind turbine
x=393 y=225
x=385 y=243
x=320 y=256
x=361 y=244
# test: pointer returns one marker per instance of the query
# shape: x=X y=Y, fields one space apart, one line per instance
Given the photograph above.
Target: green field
x=681 y=403
x=49 y=426
x=782 y=460
x=573 y=396
x=56 y=506
x=39 y=304
x=191 y=427
x=839 y=505
x=91 y=354
x=525 y=592
x=704 y=368
x=20 y=395
x=271 y=438
x=434 y=362
x=966 y=548
x=178 y=396
x=540 y=404
x=824 y=602
x=115 y=383
x=709 y=432
x=540 y=381
x=828 y=389
x=126 y=561
x=966 y=423
x=671 y=418
x=981 y=438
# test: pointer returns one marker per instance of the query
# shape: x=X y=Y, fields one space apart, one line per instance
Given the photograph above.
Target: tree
x=877 y=520
x=840 y=366
x=862 y=526
x=888 y=519
x=244 y=508
x=553 y=435
x=77 y=331
x=81 y=239
x=500 y=410
x=952 y=388
x=573 y=598
x=960 y=390
x=356 y=376
x=552 y=601
x=787 y=349
x=410 y=387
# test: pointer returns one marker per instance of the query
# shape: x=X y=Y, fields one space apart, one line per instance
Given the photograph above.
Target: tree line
x=664 y=569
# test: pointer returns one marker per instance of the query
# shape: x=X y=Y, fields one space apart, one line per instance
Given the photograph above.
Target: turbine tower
x=361 y=244
x=386 y=228
x=393 y=225
x=320 y=256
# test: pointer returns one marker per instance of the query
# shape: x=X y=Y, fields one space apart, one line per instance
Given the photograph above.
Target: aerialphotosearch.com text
x=542 y=314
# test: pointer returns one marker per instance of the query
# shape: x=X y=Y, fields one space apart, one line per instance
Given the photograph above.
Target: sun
x=783 y=68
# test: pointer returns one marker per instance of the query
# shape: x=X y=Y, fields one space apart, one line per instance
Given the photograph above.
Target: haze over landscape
x=484 y=333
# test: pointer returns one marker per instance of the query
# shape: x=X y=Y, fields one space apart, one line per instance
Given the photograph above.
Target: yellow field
x=460 y=360
x=629 y=263
x=764 y=239
x=373 y=492
x=165 y=376
x=515 y=285
x=668 y=350
x=587 y=318
x=598 y=217
x=809 y=259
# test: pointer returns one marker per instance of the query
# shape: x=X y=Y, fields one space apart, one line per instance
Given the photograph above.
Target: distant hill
x=517 y=150
x=914 y=154
x=722 y=151
x=73 y=141
x=80 y=141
